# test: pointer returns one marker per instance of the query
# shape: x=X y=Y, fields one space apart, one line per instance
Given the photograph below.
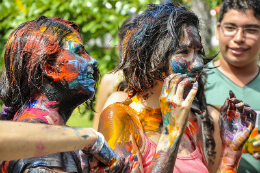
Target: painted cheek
x=65 y=69
x=179 y=65
x=85 y=71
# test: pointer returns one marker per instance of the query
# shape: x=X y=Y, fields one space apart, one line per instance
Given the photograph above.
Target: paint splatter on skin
x=39 y=148
x=237 y=123
x=85 y=136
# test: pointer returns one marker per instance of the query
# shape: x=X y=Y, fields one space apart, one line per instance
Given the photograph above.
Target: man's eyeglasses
x=230 y=30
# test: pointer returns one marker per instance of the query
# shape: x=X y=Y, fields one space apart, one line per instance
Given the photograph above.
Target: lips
x=238 y=51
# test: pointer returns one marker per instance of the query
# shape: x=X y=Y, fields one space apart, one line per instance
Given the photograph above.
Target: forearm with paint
x=166 y=151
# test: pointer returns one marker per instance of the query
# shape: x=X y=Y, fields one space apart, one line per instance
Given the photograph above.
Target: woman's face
x=76 y=66
x=187 y=57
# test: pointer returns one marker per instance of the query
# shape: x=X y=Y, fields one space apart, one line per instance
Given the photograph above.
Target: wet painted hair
x=241 y=5
x=29 y=47
x=150 y=40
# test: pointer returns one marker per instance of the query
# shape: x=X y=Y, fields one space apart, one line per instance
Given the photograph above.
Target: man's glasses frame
x=230 y=30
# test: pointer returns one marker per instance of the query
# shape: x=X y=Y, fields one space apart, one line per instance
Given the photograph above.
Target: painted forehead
x=191 y=37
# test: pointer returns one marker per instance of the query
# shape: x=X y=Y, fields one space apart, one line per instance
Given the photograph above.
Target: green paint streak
x=85 y=136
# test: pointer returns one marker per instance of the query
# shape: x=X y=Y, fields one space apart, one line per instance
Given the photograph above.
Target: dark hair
x=28 y=48
x=149 y=42
x=241 y=5
x=123 y=29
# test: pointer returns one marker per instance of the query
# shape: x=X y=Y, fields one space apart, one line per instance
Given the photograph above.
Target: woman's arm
x=122 y=129
x=24 y=140
x=175 y=112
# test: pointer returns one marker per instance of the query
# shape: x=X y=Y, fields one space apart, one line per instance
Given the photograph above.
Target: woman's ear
x=218 y=30
x=50 y=71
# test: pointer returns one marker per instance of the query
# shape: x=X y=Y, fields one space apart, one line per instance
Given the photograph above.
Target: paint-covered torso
x=47 y=113
x=125 y=129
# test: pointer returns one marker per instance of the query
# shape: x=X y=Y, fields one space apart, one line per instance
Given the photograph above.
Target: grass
x=78 y=119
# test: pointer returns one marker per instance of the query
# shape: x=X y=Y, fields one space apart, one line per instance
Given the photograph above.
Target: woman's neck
x=150 y=98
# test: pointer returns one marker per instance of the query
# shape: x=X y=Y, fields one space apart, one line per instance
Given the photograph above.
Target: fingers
x=224 y=108
x=175 y=82
x=256 y=156
x=256 y=143
x=182 y=85
x=117 y=166
x=192 y=93
x=231 y=94
x=166 y=84
x=250 y=118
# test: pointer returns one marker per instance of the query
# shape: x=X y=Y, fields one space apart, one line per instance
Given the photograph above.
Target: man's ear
x=50 y=71
x=217 y=31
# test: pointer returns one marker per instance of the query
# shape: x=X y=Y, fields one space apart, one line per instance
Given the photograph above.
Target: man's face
x=75 y=66
x=239 y=50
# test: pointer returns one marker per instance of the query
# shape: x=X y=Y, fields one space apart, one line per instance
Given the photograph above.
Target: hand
x=118 y=166
x=102 y=158
x=175 y=109
x=92 y=164
x=256 y=147
x=237 y=123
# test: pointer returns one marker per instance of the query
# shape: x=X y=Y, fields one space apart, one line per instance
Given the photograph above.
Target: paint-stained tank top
x=184 y=163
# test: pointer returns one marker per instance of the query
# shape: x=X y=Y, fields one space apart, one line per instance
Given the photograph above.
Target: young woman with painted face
x=47 y=74
x=166 y=126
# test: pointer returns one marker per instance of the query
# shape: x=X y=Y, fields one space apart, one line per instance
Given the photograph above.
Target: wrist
x=229 y=160
x=102 y=151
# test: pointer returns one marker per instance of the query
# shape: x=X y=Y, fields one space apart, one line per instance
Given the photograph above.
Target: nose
x=93 y=62
x=239 y=36
x=196 y=63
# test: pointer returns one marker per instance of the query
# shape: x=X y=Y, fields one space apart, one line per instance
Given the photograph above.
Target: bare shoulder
x=118 y=96
x=119 y=124
x=109 y=77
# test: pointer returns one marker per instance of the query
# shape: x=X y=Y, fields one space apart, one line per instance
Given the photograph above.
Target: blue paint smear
x=32 y=104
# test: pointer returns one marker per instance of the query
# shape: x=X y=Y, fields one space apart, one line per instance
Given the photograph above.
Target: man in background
x=238 y=31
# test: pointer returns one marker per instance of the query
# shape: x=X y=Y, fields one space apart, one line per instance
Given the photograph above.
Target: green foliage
x=213 y=3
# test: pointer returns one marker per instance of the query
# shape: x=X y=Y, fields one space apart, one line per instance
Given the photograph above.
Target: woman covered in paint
x=166 y=125
x=48 y=73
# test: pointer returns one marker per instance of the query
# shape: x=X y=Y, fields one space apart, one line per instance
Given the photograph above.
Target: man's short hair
x=241 y=5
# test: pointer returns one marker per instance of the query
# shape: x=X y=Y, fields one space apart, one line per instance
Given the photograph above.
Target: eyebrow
x=248 y=25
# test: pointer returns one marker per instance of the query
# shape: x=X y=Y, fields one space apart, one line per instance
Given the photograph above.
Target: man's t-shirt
x=217 y=90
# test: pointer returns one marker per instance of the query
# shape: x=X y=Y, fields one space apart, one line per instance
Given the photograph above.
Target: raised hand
x=237 y=123
x=175 y=112
x=175 y=109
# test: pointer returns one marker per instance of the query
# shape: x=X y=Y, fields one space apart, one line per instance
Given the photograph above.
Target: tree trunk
x=200 y=8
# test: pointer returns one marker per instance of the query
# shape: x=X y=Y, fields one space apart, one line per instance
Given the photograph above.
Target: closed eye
x=79 y=49
x=182 y=51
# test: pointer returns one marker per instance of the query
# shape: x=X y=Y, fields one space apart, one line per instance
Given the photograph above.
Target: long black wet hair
x=28 y=48
x=150 y=40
